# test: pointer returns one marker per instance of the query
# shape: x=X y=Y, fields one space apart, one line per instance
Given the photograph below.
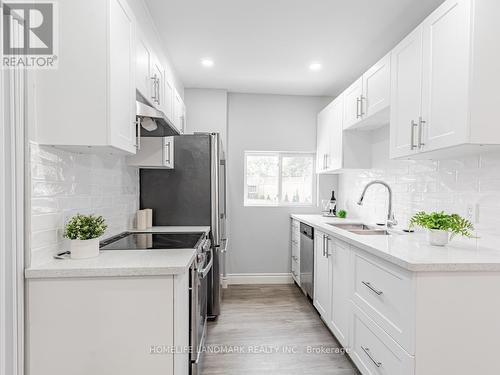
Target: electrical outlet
x=473 y=213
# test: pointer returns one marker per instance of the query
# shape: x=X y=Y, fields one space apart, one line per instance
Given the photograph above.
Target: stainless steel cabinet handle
x=324 y=244
x=153 y=95
x=421 y=124
x=327 y=254
x=326 y=161
x=168 y=158
x=158 y=97
x=358 y=112
x=412 y=135
x=361 y=112
x=369 y=354
x=372 y=288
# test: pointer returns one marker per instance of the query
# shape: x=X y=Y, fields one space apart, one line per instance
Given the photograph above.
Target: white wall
x=65 y=183
x=206 y=111
x=259 y=236
x=449 y=185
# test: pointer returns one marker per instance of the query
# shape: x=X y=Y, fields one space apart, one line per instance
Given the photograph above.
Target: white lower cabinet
x=295 y=246
x=400 y=322
x=340 y=277
x=386 y=293
x=373 y=351
x=331 y=283
x=114 y=325
x=322 y=285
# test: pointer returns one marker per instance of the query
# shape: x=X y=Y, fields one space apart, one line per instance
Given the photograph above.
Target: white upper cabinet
x=322 y=140
x=445 y=92
x=406 y=98
x=366 y=101
x=179 y=113
x=445 y=84
x=168 y=102
x=122 y=133
x=337 y=149
x=157 y=84
x=143 y=68
x=352 y=103
x=89 y=101
x=376 y=91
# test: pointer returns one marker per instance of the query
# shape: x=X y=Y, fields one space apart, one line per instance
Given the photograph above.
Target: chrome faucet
x=391 y=221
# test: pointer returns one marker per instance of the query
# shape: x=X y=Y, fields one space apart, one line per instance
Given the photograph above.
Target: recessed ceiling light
x=315 y=66
x=207 y=63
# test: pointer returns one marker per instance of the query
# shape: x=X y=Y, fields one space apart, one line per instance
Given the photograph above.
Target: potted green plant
x=84 y=232
x=441 y=227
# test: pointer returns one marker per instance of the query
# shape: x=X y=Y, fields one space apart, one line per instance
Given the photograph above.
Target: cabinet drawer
x=386 y=293
x=373 y=351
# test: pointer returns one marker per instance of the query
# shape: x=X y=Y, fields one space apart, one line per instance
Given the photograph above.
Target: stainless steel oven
x=199 y=302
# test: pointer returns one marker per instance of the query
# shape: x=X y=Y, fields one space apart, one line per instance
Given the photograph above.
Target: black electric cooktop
x=149 y=241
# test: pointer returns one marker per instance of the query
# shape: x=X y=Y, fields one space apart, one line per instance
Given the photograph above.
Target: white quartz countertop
x=411 y=250
x=116 y=263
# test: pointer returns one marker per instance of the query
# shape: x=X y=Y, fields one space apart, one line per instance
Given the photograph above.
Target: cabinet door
x=321 y=141
x=169 y=100
x=157 y=86
x=335 y=152
x=352 y=103
x=142 y=66
x=376 y=88
x=178 y=110
x=406 y=94
x=121 y=76
x=340 y=282
x=446 y=35
x=321 y=276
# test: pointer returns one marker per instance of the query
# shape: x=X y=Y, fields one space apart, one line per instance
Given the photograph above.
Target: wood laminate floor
x=271 y=329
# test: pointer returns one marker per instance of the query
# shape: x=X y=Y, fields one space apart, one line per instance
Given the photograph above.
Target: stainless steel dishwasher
x=307 y=259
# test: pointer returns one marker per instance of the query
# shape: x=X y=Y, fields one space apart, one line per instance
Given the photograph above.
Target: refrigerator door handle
x=214 y=160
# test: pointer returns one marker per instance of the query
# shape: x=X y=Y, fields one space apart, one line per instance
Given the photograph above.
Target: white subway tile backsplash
x=65 y=183
x=451 y=185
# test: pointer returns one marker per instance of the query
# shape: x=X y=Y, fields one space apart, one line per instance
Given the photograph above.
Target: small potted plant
x=342 y=214
x=441 y=227
x=83 y=233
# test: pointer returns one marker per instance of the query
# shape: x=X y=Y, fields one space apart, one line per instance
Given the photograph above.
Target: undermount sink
x=362 y=229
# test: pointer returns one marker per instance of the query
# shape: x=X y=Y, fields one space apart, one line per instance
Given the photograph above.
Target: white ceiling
x=266 y=46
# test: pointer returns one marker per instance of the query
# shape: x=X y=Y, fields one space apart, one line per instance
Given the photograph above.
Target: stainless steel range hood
x=165 y=127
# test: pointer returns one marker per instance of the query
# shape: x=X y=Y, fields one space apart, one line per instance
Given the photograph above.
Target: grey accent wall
x=259 y=236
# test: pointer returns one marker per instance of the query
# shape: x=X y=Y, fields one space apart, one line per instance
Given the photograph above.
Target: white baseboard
x=258 y=278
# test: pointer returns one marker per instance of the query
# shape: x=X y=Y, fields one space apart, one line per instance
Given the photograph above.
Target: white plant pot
x=438 y=237
x=81 y=249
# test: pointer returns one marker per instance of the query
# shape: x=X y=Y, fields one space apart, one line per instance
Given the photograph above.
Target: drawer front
x=386 y=294
x=373 y=351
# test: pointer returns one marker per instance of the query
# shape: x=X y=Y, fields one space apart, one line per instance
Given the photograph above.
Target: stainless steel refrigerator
x=193 y=193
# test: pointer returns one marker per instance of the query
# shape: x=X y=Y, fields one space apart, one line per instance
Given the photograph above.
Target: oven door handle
x=204 y=272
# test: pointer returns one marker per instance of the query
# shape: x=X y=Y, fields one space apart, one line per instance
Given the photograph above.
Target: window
x=279 y=179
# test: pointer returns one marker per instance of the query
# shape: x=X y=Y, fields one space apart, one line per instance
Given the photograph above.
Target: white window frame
x=281 y=155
